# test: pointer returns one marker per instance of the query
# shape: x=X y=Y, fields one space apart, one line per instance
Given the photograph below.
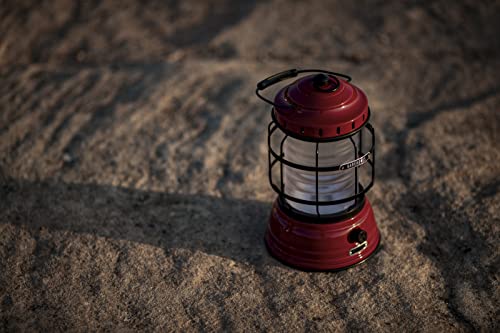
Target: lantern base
x=322 y=246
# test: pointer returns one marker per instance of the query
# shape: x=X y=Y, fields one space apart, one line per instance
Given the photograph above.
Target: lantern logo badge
x=360 y=161
x=321 y=155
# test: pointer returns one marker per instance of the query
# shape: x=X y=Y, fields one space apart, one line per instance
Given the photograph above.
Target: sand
x=133 y=165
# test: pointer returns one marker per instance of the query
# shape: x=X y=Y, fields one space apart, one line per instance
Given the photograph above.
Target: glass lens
x=333 y=185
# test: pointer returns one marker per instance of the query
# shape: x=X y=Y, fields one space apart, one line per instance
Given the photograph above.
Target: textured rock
x=133 y=180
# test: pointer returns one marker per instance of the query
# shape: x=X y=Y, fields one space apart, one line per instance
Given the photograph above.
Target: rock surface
x=133 y=171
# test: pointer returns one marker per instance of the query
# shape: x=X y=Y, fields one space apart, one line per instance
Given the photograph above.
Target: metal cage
x=277 y=159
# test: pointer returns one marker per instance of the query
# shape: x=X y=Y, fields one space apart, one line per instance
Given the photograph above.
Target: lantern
x=321 y=164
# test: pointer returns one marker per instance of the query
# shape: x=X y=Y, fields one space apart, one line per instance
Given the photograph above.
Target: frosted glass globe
x=334 y=185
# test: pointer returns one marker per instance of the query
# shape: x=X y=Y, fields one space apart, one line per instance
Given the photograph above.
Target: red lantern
x=320 y=146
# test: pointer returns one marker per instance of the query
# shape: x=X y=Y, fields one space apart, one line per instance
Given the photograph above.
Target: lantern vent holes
x=320 y=132
x=338 y=130
x=353 y=124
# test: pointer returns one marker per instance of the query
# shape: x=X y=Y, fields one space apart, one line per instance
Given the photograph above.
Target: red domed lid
x=320 y=106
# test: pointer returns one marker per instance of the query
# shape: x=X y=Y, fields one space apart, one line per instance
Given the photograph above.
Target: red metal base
x=327 y=246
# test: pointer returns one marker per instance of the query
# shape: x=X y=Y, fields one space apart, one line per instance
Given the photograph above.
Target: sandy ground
x=133 y=171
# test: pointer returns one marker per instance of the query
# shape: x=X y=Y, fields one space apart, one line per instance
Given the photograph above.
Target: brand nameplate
x=357 y=162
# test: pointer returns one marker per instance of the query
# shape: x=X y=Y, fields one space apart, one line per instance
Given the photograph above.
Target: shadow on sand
x=230 y=228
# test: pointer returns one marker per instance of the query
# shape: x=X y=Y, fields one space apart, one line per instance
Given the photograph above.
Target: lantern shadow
x=230 y=228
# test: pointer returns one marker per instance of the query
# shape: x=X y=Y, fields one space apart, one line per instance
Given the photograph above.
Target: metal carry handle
x=276 y=78
x=288 y=74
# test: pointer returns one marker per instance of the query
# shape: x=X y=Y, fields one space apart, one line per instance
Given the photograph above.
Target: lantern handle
x=273 y=79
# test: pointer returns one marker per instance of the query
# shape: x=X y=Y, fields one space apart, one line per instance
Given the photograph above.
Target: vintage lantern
x=321 y=164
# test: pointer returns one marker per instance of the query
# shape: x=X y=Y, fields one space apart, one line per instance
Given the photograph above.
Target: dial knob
x=357 y=236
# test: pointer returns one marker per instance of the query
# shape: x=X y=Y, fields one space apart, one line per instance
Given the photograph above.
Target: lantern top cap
x=326 y=83
x=320 y=106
